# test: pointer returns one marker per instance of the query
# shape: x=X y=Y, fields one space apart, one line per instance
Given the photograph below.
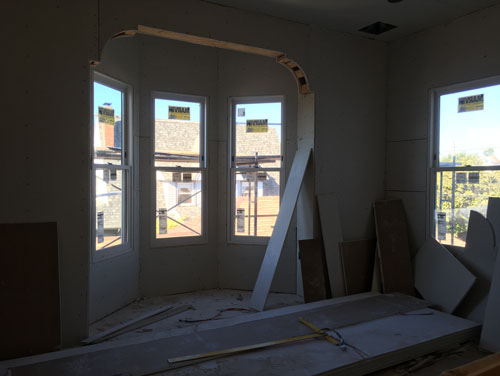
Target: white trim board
x=275 y=245
x=439 y=277
x=332 y=235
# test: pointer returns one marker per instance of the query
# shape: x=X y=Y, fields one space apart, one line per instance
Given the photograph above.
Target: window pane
x=110 y=213
x=108 y=124
x=470 y=128
x=456 y=194
x=177 y=133
x=257 y=196
x=258 y=134
x=178 y=204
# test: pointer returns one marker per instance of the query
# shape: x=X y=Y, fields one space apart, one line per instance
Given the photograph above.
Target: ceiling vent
x=377 y=28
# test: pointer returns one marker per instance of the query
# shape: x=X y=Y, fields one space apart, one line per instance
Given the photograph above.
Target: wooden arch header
x=280 y=57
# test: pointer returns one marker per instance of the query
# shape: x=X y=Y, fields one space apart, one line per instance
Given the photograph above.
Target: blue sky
x=470 y=132
x=105 y=94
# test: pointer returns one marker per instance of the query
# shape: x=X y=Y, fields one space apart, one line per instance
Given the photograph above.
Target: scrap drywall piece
x=493 y=215
x=275 y=245
x=139 y=322
x=479 y=257
x=358 y=259
x=393 y=247
x=29 y=289
x=314 y=273
x=439 y=277
x=490 y=335
x=332 y=236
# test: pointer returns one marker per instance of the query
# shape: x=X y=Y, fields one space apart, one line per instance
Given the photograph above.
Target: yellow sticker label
x=106 y=115
x=257 y=126
x=471 y=103
x=179 y=113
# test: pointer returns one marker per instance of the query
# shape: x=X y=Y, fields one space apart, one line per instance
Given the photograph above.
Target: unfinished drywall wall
x=463 y=50
x=348 y=77
x=48 y=84
x=176 y=67
x=114 y=281
x=243 y=75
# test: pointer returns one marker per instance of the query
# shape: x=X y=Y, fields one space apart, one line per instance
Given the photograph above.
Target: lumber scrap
x=139 y=322
x=331 y=230
x=393 y=247
x=479 y=257
x=487 y=366
x=357 y=258
x=275 y=245
x=314 y=272
x=439 y=277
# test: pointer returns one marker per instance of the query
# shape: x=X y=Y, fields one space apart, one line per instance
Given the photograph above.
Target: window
x=111 y=167
x=466 y=156
x=179 y=168
x=255 y=167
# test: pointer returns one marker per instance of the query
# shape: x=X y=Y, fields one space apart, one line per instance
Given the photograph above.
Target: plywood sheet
x=493 y=215
x=479 y=257
x=314 y=273
x=331 y=230
x=357 y=265
x=275 y=245
x=382 y=317
x=394 y=253
x=439 y=277
x=29 y=289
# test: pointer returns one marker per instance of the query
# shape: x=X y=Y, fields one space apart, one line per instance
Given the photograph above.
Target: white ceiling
x=351 y=15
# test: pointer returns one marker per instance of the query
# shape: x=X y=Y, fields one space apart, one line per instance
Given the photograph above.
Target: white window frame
x=126 y=167
x=232 y=238
x=183 y=240
x=434 y=132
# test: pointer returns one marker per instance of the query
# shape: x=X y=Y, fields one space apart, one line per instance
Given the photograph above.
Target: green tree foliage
x=468 y=194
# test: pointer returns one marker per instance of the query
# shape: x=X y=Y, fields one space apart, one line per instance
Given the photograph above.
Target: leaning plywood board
x=275 y=245
x=401 y=327
x=493 y=215
x=332 y=236
x=479 y=257
x=29 y=289
x=439 y=277
x=358 y=258
x=393 y=247
x=314 y=274
x=490 y=335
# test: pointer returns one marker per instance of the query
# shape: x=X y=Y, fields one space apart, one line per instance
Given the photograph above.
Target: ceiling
x=349 y=16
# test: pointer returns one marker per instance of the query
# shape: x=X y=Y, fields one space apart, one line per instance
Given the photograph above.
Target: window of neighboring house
x=179 y=168
x=466 y=156
x=256 y=167
x=111 y=166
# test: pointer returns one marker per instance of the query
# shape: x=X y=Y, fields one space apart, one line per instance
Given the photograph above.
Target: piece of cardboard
x=394 y=253
x=331 y=230
x=358 y=258
x=439 y=277
x=314 y=273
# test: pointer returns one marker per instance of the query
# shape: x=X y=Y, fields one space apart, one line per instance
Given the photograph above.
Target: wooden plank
x=487 y=366
x=275 y=245
x=376 y=279
x=358 y=258
x=439 y=277
x=393 y=247
x=332 y=235
x=314 y=273
x=479 y=257
x=139 y=322
x=29 y=289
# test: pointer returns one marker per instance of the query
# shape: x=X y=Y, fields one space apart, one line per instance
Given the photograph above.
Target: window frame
x=182 y=240
x=126 y=166
x=434 y=141
x=232 y=238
